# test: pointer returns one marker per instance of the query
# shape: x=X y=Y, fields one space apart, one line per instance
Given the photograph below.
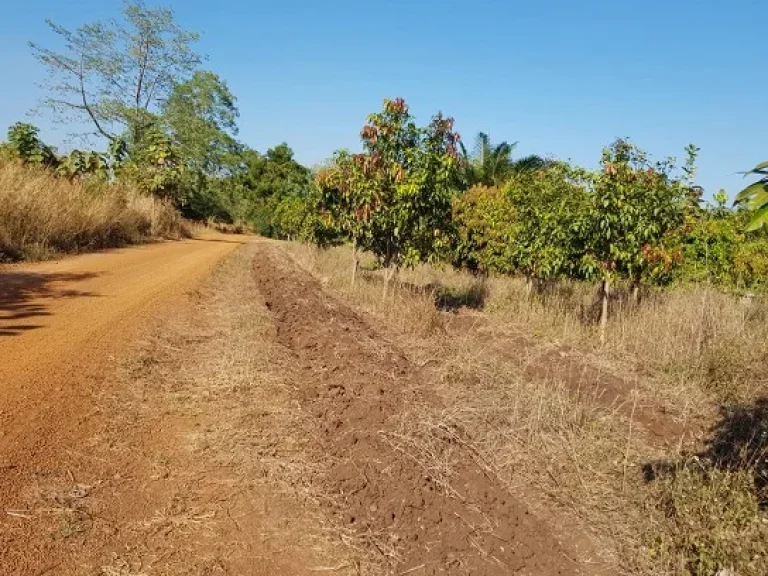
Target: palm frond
x=530 y=163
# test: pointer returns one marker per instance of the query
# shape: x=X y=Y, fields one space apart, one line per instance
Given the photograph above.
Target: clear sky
x=561 y=77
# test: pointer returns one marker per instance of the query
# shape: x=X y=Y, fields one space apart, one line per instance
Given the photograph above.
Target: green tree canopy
x=634 y=205
x=548 y=206
x=274 y=174
x=262 y=181
x=24 y=144
x=155 y=165
x=484 y=223
x=201 y=116
x=396 y=195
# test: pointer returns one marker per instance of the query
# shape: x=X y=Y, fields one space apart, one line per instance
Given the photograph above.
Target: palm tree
x=492 y=165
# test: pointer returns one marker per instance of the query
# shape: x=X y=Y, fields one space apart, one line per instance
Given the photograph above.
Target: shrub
x=289 y=217
x=484 y=218
x=717 y=250
x=549 y=207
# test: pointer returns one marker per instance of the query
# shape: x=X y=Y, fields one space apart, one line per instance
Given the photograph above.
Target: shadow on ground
x=23 y=296
x=446 y=298
x=738 y=441
x=218 y=240
x=452 y=299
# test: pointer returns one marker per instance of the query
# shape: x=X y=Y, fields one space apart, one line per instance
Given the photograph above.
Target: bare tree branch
x=120 y=72
x=88 y=109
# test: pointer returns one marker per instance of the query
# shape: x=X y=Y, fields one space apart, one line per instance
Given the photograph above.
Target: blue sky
x=561 y=77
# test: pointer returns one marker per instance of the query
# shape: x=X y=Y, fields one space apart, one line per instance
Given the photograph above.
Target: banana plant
x=755 y=197
x=79 y=164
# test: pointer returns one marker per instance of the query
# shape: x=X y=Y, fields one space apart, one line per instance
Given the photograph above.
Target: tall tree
x=275 y=174
x=263 y=180
x=201 y=117
x=114 y=75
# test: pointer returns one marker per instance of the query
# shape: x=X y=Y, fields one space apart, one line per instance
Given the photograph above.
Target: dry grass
x=694 y=344
x=705 y=519
x=225 y=228
x=688 y=350
x=219 y=366
x=694 y=338
x=409 y=312
x=42 y=215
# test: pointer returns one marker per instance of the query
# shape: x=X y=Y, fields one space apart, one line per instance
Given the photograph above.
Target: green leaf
x=748 y=192
x=759 y=199
x=759 y=218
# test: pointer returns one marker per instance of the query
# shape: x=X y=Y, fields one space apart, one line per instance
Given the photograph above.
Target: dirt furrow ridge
x=426 y=506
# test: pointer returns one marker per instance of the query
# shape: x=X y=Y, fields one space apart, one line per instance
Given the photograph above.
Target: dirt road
x=61 y=321
x=61 y=324
x=50 y=311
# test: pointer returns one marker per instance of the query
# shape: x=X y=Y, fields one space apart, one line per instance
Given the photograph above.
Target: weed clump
x=708 y=521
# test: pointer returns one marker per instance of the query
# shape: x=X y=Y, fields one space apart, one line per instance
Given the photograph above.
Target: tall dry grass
x=652 y=506
x=691 y=340
x=41 y=215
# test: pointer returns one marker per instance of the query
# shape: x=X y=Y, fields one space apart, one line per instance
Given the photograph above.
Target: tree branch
x=87 y=107
x=142 y=72
x=150 y=94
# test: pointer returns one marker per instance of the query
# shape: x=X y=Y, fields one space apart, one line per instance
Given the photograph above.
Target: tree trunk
x=605 y=288
x=389 y=274
x=528 y=285
x=635 y=293
x=355 y=261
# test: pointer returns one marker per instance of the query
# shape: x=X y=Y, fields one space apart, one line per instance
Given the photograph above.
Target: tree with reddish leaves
x=394 y=198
